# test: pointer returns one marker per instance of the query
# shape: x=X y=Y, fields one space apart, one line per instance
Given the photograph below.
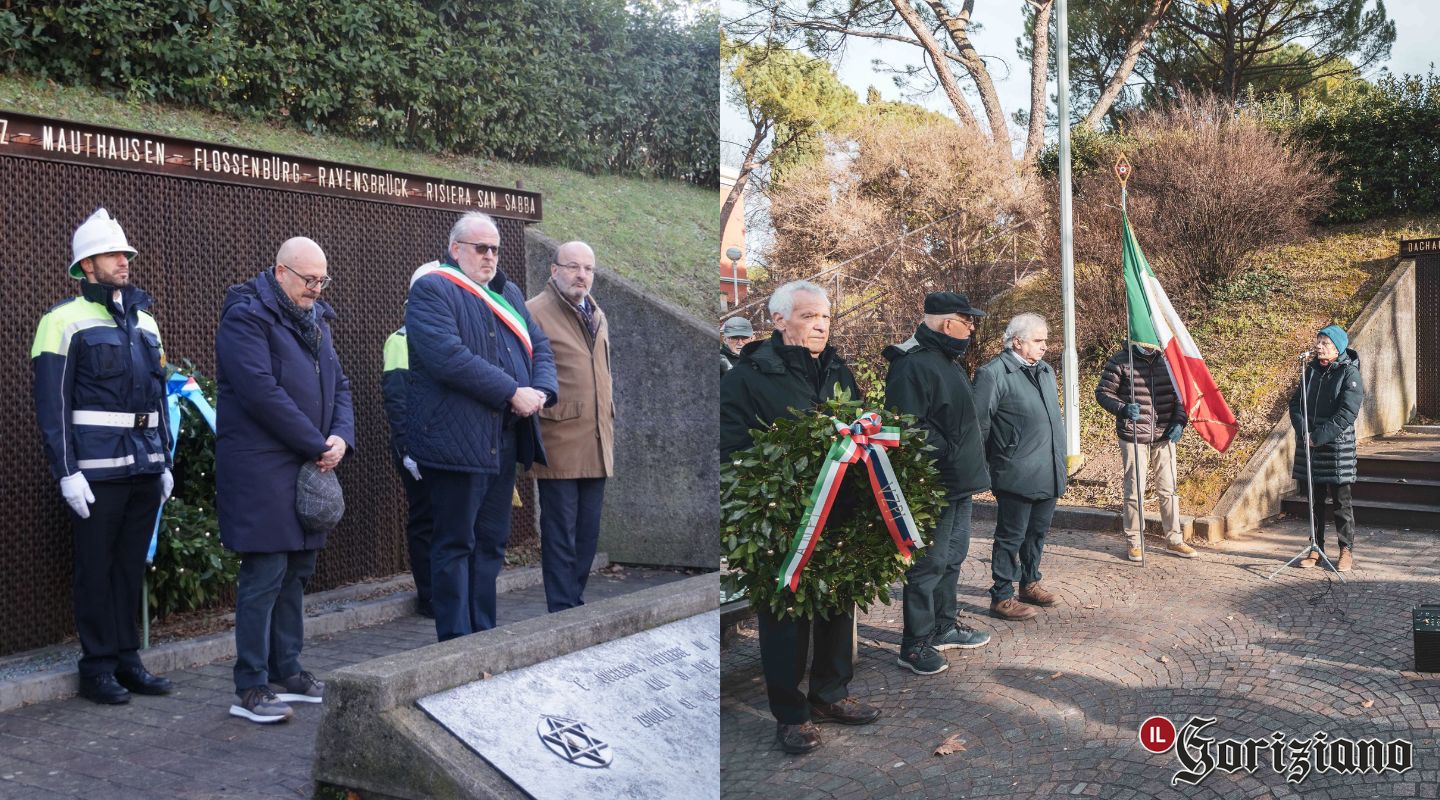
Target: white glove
x=410 y=465
x=76 y=491
x=167 y=485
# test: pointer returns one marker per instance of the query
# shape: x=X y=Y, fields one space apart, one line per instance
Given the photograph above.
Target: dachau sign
x=28 y=136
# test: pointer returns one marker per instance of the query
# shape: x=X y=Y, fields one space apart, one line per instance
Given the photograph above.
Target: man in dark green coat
x=1019 y=412
x=927 y=381
x=1327 y=436
x=792 y=372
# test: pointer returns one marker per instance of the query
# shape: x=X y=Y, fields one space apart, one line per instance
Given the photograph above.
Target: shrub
x=192 y=570
x=589 y=84
x=1210 y=186
x=1382 y=138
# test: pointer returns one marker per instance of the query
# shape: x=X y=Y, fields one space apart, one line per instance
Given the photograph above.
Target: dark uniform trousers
x=784 y=645
x=467 y=551
x=419 y=528
x=929 y=603
x=110 y=550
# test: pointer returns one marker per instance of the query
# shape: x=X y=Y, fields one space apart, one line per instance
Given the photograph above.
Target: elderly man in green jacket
x=926 y=380
x=1019 y=411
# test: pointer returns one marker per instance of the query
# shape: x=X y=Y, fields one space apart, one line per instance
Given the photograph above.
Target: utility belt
x=116 y=419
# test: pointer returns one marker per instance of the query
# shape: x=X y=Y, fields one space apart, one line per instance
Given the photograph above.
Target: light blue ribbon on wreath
x=179 y=387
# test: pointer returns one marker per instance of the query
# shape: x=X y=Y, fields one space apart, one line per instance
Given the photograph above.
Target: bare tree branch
x=1132 y=54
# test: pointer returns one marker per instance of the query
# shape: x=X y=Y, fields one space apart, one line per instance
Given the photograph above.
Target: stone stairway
x=1398 y=484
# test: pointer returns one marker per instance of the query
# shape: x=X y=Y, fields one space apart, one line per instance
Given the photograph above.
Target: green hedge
x=1383 y=137
x=587 y=84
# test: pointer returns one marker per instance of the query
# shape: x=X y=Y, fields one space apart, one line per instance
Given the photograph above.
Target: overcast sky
x=1417 y=23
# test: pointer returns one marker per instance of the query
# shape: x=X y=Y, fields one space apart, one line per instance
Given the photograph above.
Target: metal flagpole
x=1122 y=172
x=1069 y=361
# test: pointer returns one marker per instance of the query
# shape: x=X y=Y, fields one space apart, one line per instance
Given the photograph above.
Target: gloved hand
x=167 y=485
x=1132 y=410
x=411 y=466
x=1174 y=432
x=76 y=491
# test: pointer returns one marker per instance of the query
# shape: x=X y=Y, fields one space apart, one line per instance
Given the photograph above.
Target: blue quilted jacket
x=464 y=367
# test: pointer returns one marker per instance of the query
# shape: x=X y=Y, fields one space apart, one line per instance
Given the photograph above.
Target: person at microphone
x=1324 y=426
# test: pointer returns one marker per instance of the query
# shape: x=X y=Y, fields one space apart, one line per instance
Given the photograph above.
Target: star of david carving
x=568 y=739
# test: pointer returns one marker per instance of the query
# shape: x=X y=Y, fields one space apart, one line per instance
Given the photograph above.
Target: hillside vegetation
x=1250 y=337
x=659 y=233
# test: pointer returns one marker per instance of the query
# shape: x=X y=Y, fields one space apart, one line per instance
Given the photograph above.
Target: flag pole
x=1122 y=173
x=1070 y=370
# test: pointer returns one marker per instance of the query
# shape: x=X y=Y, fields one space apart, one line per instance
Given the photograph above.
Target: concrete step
x=1376 y=513
x=1413 y=466
x=1426 y=430
x=1398 y=490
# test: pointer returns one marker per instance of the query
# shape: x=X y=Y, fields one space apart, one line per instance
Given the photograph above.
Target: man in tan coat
x=579 y=430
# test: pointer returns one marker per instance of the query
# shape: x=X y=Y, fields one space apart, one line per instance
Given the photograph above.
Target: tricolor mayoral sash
x=493 y=300
x=862 y=440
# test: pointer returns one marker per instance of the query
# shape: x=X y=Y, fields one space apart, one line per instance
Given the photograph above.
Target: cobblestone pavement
x=1051 y=707
x=186 y=745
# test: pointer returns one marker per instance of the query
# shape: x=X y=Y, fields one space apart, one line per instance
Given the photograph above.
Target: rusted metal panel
x=195 y=237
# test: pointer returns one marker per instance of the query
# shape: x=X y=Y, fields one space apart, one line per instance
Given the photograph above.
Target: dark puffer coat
x=927 y=381
x=1336 y=394
x=772 y=379
x=1154 y=392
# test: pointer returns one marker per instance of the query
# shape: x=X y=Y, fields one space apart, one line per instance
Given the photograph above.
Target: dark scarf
x=586 y=310
x=305 y=320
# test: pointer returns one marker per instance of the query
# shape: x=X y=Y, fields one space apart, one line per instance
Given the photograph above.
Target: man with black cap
x=1326 y=437
x=100 y=402
x=735 y=334
x=927 y=381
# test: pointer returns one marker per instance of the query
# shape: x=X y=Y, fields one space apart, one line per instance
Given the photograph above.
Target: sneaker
x=1037 y=595
x=959 y=636
x=1013 y=610
x=301 y=688
x=1135 y=554
x=1181 y=549
x=797 y=739
x=848 y=711
x=922 y=659
x=259 y=704
x=1311 y=559
x=1347 y=561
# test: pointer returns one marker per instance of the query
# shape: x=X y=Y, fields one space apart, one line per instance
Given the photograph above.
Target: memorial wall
x=204 y=216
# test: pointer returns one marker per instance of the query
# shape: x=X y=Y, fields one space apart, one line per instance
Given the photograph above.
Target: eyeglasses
x=310 y=283
x=588 y=268
x=482 y=249
x=967 y=321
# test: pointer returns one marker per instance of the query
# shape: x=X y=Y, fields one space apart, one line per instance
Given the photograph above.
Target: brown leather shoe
x=797 y=739
x=1037 y=595
x=1347 y=561
x=848 y=711
x=1311 y=559
x=1013 y=610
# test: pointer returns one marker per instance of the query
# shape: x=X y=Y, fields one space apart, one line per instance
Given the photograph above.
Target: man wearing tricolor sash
x=927 y=381
x=791 y=372
x=480 y=371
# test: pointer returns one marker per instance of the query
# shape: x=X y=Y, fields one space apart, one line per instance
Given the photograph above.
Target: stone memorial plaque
x=638 y=717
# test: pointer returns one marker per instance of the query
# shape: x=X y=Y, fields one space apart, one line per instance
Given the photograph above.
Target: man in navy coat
x=282 y=401
x=480 y=371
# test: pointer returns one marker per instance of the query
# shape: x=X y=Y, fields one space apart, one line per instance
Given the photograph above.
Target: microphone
x=1305 y=356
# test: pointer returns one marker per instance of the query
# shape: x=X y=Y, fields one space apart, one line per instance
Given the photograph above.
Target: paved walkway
x=1051 y=706
x=186 y=745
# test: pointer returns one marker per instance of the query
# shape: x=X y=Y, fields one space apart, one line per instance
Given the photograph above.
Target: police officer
x=394 y=387
x=100 y=402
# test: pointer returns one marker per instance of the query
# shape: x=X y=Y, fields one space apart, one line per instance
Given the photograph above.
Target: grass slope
x=1249 y=340
x=660 y=234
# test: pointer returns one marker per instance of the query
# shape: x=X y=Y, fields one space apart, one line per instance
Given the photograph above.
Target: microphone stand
x=1312 y=547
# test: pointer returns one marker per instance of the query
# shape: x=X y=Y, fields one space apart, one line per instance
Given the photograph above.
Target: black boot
x=140 y=681
x=103 y=689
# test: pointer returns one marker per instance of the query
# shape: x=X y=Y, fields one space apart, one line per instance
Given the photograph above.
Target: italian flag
x=1153 y=322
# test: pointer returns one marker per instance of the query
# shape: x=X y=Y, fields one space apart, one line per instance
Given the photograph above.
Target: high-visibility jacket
x=100 y=386
x=394 y=390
